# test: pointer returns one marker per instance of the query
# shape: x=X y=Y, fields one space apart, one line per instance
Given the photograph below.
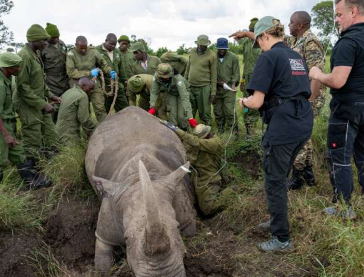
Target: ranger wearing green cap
x=204 y=152
x=74 y=112
x=201 y=73
x=113 y=58
x=84 y=61
x=10 y=149
x=228 y=73
x=31 y=97
x=144 y=63
x=177 y=62
x=176 y=93
x=126 y=56
x=54 y=61
x=250 y=57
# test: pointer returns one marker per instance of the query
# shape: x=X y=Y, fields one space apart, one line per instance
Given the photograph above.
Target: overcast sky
x=168 y=23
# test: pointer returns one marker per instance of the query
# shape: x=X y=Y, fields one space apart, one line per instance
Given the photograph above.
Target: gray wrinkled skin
x=134 y=164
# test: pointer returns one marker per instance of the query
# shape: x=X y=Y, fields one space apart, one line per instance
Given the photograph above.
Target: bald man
x=74 y=112
x=83 y=61
x=310 y=48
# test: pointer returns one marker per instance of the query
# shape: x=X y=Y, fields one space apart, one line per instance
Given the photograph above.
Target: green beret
x=138 y=46
x=124 y=38
x=36 y=32
x=136 y=84
x=52 y=30
x=253 y=21
x=8 y=59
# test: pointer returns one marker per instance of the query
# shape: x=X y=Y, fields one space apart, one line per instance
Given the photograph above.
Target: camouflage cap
x=136 y=84
x=36 y=33
x=124 y=38
x=203 y=40
x=10 y=59
x=202 y=130
x=170 y=57
x=138 y=46
x=164 y=71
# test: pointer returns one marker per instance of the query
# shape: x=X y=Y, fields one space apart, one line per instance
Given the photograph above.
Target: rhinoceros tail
x=156 y=238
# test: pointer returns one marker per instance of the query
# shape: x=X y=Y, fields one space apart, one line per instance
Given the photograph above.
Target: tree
x=323 y=19
x=17 y=45
x=161 y=51
x=10 y=49
x=5 y=35
x=182 y=50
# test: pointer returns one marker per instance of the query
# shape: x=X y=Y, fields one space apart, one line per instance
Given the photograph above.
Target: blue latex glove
x=113 y=73
x=95 y=72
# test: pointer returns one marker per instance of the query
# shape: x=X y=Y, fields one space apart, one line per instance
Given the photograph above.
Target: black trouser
x=346 y=138
x=278 y=160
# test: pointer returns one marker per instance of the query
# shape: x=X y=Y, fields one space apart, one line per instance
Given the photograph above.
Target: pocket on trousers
x=337 y=135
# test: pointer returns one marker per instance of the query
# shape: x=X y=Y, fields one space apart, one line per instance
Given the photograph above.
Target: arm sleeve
x=132 y=99
x=208 y=145
x=72 y=71
x=102 y=63
x=154 y=92
x=83 y=116
x=262 y=75
x=314 y=55
x=2 y=98
x=235 y=79
x=185 y=98
x=187 y=70
x=24 y=90
x=213 y=74
x=345 y=53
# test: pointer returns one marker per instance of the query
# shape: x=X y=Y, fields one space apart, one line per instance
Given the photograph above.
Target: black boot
x=308 y=176
x=295 y=182
x=31 y=177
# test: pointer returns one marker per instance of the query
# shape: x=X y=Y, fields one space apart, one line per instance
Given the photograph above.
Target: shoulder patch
x=179 y=83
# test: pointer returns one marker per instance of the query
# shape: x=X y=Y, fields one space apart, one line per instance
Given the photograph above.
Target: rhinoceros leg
x=104 y=256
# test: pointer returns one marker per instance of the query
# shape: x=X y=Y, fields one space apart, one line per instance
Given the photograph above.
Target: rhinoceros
x=138 y=169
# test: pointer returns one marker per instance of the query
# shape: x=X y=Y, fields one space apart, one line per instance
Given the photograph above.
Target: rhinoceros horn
x=156 y=239
x=173 y=178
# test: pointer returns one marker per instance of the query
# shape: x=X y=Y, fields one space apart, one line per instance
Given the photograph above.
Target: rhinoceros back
x=132 y=134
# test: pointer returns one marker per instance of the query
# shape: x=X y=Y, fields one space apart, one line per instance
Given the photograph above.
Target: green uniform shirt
x=79 y=66
x=206 y=156
x=177 y=87
x=178 y=62
x=128 y=60
x=31 y=89
x=116 y=64
x=250 y=56
x=202 y=69
x=54 y=60
x=228 y=70
x=145 y=92
x=6 y=101
x=152 y=66
x=74 y=113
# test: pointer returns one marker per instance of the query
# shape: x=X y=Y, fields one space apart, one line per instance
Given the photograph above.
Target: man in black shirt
x=346 y=80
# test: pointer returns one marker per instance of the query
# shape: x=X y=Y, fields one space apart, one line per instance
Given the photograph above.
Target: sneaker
x=265 y=226
x=348 y=214
x=274 y=245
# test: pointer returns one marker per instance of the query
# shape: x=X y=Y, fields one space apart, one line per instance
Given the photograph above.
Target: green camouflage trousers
x=305 y=156
x=38 y=131
x=224 y=108
x=15 y=155
x=200 y=101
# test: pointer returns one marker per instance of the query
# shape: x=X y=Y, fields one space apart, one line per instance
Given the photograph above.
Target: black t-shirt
x=349 y=51
x=282 y=73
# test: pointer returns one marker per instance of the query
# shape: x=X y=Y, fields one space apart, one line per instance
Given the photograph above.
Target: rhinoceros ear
x=178 y=174
x=105 y=187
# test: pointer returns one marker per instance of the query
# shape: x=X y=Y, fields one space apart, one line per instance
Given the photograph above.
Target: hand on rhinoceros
x=169 y=125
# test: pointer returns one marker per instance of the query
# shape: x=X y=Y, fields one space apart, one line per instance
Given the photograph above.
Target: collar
x=7 y=81
x=354 y=27
x=27 y=48
x=280 y=44
x=103 y=48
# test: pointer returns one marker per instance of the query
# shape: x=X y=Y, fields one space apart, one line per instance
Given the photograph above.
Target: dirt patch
x=250 y=162
x=70 y=232
x=16 y=253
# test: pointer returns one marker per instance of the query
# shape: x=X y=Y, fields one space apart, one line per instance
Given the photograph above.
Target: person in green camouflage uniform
x=74 y=112
x=82 y=61
x=201 y=73
x=126 y=56
x=310 y=48
x=250 y=57
x=144 y=63
x=228 y=72
x=10 y=149
x=204 y=152
x=141 y=85
x=31 y=98
x=113 y=58
x=176 y=93
x=178 y=63
x=54 y=60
